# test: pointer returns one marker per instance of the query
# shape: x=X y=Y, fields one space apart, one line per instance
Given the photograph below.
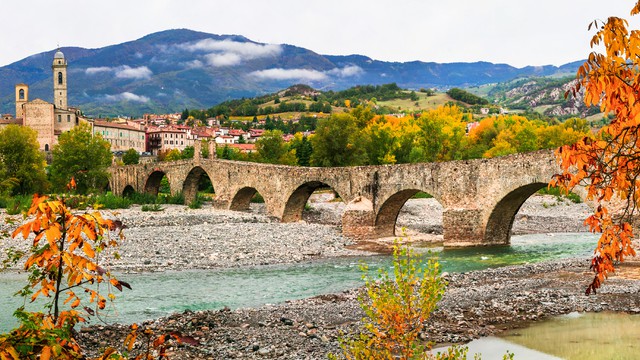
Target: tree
x=130 y=157
x=303 y=148
x=81 y=155
x=609 y=165
x=338 y=142
x=272 y=149
x=184 y=115
x=63 y=261
x=21 y=160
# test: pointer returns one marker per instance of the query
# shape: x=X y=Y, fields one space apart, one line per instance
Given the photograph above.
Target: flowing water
x=159 y=294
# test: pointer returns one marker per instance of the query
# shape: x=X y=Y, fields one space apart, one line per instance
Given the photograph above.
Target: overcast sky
x=516 y=32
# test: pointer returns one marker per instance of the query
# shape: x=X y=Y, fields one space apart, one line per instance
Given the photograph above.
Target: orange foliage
x=609 y=166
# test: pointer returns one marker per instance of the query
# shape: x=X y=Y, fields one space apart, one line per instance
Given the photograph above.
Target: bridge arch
x=501 y=218
x=296 y=201
x=191 y=182
x=152 y=185
x=241 y=201
x=387 y=215
x=128 y=190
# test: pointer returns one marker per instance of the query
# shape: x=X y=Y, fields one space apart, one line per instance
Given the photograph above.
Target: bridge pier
x=359 y=220
x=463 y=227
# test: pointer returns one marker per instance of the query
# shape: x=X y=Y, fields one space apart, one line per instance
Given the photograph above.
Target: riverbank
x=478 y=303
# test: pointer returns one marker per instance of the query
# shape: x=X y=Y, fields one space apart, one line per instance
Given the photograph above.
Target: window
x=46 y=147
x=68 y=118
x=21 y=96
x=59 y=78
x=59 y=118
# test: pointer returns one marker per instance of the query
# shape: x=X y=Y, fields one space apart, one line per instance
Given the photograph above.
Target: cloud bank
x=305 y=74
x=122 y=72
x=127 y=96
x=219 y=53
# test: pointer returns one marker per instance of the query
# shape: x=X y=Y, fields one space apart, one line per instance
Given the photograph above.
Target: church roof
x=58 y=55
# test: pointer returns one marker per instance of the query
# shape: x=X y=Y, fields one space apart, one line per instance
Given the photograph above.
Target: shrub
x=151 y=207
x=257 y=199
x=111 y=201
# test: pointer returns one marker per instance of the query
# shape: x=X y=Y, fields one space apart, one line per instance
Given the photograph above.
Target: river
x=161 y=293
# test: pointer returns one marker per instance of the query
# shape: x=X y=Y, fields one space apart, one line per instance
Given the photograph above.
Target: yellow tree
x=609 y=165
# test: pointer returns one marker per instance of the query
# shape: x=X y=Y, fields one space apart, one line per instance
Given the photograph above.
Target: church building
x=49 y=120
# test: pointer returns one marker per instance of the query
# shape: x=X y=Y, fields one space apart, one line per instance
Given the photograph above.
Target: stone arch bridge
x=480 y=197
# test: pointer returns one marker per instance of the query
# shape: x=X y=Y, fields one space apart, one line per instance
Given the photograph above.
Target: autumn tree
x=83 y=156
x=609 y=165
x=65 y=268
x=21 y=160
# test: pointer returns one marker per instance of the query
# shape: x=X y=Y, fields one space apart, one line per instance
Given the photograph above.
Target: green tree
x=130 y=157
x=185 y=114
x=188 y=152
x=81 y=155
x=338 y=142
x=21 y=160
x=272 y=148
x=303 y=148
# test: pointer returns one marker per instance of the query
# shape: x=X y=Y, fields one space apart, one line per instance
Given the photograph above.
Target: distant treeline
x=467 y=97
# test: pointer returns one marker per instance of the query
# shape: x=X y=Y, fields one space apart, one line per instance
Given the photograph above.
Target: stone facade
x=480 y=197
x=49 y=120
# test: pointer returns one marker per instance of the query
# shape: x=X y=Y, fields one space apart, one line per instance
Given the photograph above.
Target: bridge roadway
x=480 y=197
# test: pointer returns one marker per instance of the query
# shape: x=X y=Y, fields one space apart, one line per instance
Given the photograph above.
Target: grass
x=560 y=194
x=16 y=204
x=151 y=207
x=424 y=102
x=422 y=195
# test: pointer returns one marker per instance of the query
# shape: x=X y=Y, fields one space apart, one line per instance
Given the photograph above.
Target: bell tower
x=22 y=96
x=59 y=68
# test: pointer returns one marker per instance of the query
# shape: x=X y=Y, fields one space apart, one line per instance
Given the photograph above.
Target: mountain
x=176 y=69
x=545 y=95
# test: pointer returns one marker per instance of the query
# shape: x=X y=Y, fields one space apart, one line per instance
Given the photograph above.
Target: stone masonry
x=480 y=197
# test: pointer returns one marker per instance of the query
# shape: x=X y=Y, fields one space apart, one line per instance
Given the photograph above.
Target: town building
x=122 y=136
x=48 y=119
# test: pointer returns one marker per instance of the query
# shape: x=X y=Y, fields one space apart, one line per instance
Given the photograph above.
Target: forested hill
x=176 y=69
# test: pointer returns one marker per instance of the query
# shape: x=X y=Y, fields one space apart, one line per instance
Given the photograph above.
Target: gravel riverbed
x=476 y=304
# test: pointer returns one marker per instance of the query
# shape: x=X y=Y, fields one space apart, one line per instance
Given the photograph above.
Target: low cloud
x=127 y=72
x=127 y=96
x=305 y=74
x=225 y=59
x=289 y=74
x=347 y=71
x=195 y=64
x=218 y=53
x=122 y=72
x=97 y=70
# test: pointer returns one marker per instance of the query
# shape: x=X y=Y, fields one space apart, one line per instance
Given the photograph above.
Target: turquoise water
x=158 y=294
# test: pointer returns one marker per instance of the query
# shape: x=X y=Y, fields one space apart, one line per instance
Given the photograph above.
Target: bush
x=152 y=207
x=111 y=201
x=257 y=199
x=560 y=194
x=16 y=204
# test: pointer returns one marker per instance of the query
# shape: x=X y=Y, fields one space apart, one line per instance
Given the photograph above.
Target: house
x=121 y=136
